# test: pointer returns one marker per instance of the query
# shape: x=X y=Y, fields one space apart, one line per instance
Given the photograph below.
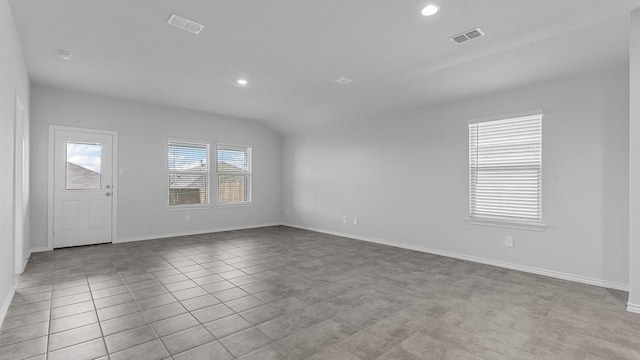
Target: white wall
x=143 y=130
x=406 y=179
x=634 y=163
x=13 y=81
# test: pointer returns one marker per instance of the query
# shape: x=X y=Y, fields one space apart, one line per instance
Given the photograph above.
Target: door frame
x=114 y=172
x=20 y=175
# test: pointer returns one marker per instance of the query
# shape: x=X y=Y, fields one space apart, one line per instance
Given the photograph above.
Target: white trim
x=186 y=141
x=188 y=207
x=39 y=249
x=235 y=205
x=4 y=308
x=233 y=146
x=26 y=261
x=634 y=308
x=18 y=186
x=506 y=224
x=7 y=301
x=194 y=232
x=519 y=114
x=498 y=263
x=114 y=175
x=50 y=190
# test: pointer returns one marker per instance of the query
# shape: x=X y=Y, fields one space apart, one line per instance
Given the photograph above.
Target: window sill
x=188 y=207
x=507 y=224
x=232 y=205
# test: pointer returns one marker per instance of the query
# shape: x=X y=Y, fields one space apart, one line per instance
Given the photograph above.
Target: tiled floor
x=282 y=293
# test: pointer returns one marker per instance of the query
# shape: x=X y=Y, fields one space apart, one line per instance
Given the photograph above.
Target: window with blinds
x=505 y=170
x=188 y=168
x=233 y=167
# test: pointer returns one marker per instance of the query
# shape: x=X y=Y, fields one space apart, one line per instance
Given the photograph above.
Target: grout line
x=46 y=354
x=46 y=349
x=187 y=310
x=95 y=309
x=51 y=311
x=543 y=320
x=234 y=312
x=198 y=320
x=593 y=334
x=143 y=315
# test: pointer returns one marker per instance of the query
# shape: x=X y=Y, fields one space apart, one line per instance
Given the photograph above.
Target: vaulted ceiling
x=291 y=50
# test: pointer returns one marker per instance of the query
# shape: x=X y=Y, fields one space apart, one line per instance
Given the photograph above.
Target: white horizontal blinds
x=184 y=156
x=188 y=166
x=233 y=159
x=234 y=174
x=505 y=169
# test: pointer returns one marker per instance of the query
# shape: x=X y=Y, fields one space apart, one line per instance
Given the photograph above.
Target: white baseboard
x=195 y=232
x=498 y=263
x=39 y=249
x=26 y=261
x=6 y=302
x=634 y=308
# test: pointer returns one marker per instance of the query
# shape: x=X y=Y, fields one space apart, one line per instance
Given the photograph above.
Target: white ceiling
x=290 y=50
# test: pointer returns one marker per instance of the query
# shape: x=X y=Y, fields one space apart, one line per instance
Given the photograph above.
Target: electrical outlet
x=288 y=212
x=187 y=218
x=355 y=220
x=508 y=241
x=344 y=219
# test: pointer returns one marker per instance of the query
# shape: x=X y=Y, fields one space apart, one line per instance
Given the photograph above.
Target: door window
x=83 y=166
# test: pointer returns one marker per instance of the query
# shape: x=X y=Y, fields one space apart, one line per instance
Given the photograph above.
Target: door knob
x=108 y=194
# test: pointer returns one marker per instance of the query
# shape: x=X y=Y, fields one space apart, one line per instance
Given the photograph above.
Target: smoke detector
x=64 y=54
x=185 y=24
x=467 y=35
x=343 y=80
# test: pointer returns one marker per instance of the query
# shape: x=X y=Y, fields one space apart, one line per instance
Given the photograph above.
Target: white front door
x=83 y=188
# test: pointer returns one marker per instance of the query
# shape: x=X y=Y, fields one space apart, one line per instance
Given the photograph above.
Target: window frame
x=207 y=174
x=506 y=222
x=248 y=149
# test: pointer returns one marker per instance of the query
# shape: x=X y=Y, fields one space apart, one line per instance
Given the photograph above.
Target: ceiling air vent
x=467 y=35
x=185 y=24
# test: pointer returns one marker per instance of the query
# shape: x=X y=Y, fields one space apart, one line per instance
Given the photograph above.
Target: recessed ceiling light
x=242 y=82
x=64 y=55
x=430 y=10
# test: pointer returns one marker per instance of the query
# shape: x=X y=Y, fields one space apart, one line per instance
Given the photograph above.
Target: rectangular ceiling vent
x=185 y=24
x=467 y=35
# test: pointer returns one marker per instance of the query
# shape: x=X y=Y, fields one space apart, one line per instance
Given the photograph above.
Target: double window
x=505 y=171
x=189 y=173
